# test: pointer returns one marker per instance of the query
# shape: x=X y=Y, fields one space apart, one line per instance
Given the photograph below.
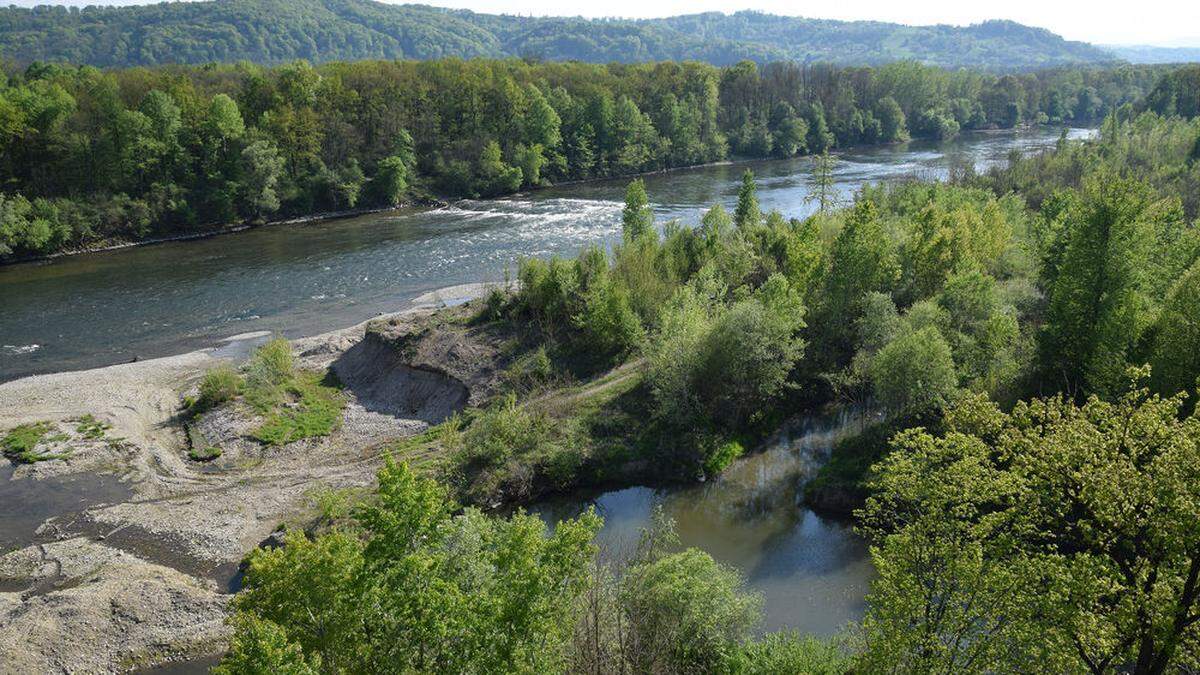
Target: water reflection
x=812 y=572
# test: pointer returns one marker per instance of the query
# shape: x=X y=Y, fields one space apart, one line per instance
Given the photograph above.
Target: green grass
x=204 y=455
x=91 y=428
x=307 y=406
x=20 y=443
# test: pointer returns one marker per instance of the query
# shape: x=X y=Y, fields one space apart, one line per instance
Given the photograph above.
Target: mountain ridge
x=273 y=31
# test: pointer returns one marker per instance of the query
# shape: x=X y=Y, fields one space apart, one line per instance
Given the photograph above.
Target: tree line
x=90 y=156
x=276 y=31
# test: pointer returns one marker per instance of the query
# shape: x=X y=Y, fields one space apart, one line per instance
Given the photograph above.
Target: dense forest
x=275 y=31
x=1031 y=494
x=90 y=156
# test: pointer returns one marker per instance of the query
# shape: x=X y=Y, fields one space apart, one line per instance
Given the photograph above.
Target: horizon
x=1073 y=21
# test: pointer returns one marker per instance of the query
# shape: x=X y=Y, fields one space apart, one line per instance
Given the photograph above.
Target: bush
x=788 y=653
x=686 y=611
x=220 y=385
x=914 y=372
x=725 y=366
x=271 y=363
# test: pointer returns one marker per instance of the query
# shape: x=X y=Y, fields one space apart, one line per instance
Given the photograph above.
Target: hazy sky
x=1160 y=22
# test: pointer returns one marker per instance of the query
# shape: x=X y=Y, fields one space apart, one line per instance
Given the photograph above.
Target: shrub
x=271 y=363
x=788 y=653
x=687 y=612
x=915 y=372
x=220 y=385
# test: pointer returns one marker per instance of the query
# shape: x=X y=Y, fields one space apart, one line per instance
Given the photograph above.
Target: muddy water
x=812 y=572
x=26 y=503
x=104 y=308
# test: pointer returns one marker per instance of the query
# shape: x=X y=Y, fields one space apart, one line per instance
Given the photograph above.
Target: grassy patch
x=91 y=428
x=308 y=405
x=20 y=443
x=204 y=454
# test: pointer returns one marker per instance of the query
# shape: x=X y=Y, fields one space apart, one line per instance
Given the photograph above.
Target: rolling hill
x=272 y=31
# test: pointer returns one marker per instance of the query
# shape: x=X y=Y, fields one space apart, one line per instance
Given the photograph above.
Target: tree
x=637 y=220
x=686 y=612
x=893 y=126
x=1098 y=306
x=262 y=167
x=824 y=187
x=492 y=175
x=862 y=259
x=914 y=373
x=390 y=181
x=747 y=214
x=1176 y=353
x=417 y=588
x=1059 y=537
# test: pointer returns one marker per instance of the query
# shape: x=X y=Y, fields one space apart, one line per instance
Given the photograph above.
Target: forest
x=276 y=31
x=1032 y=335
x=90 y=157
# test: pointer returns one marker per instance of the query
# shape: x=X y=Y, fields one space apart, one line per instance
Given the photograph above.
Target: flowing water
x=104 y=308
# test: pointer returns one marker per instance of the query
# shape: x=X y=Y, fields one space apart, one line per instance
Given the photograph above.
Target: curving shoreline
x=145 y=580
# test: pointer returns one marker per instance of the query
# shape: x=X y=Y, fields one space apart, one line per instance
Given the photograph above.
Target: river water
x=812 y=573
x=103 y=308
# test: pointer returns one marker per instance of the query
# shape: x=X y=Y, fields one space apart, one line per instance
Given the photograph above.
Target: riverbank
x=436 y=202
x=130 y=577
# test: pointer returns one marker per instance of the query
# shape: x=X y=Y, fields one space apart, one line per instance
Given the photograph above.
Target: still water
x=812 y=573
x=104 y=308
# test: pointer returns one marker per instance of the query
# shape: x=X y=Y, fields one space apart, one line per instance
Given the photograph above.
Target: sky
x=1168 y=23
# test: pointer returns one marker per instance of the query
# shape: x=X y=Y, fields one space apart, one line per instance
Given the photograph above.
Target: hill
x=272 y=31
x=1152 y=54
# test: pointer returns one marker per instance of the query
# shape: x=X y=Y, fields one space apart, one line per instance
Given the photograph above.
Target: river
x=102 y=308
x=811 y=572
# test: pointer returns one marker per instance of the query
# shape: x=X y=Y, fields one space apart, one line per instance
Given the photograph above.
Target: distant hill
x=271 y=31
x=1150 y=54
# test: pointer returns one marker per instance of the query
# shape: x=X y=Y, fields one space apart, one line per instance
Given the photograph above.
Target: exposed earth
x=118 y=579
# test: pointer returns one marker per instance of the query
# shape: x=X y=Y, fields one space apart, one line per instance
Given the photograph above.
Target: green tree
x=418 y=588
x=390 y=181
x=686 y=612
x=747 y=214
x=262 y=167
x=915 y=372
x=637 y=220
x=1055 y=538
x=1176 y=353
x=893 y=126
x=1098 y=305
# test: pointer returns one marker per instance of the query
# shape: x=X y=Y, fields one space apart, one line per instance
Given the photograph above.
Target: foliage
x=321 y=29
x=93 y=156
x=1175 y=356
x=220 y=385
x=415 y=588
x=312 y=407
x=1055 y=537
x=788 y=653
x=20 y=443
x=637 y=220
x=687 y=612
x=712 y=364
